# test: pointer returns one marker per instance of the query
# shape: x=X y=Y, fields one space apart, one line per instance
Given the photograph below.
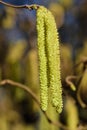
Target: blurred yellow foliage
x=67 y=3
x=66 y=61
x=16 y=51
x=80 y=57
x=71 y=111
x=9 y=20
x=31 y=69
x=58 y=12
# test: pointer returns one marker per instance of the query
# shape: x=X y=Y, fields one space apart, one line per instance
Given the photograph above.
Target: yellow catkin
x=42 y=59
x=49 y=58
x=53 y=58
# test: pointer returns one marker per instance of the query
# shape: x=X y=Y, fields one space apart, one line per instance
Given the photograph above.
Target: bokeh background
x=19 y=62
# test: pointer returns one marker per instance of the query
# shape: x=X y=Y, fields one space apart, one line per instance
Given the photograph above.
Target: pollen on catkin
x=49 y=59
x=42 y=59
x=53 y=58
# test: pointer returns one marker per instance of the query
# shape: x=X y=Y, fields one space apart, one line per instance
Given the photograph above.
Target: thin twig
x=70 y=83
x=30 y=7
x=79 y=98
x=81 y=102
x=19 y=85
x=27 y=89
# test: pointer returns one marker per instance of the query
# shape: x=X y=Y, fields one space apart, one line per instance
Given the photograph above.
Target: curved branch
x=30 y=7
x=70 y=83
x=83 y=60
x=24 y=87
x=27 y=89
x=81 y=102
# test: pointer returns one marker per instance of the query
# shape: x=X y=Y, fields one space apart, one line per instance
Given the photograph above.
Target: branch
x=30 y=7
x=70 y=83
x=24 y=87
x=29 y=91
x=83 y=60
x=81 y=102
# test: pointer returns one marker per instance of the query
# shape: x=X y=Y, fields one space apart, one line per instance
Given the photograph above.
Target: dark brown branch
x=27 y=89
x=30 y=7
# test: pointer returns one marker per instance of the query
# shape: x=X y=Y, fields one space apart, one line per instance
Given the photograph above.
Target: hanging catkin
x=42 y=59
x=53 y=57
x=49 y=58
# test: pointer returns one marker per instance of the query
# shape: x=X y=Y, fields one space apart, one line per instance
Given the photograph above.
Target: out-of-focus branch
x=29 y=91
x=30 y=7
x=83 y=60
x=81 y=102
x=82 y=127
x=72 y=86
x=19 y=85
x=70 y=83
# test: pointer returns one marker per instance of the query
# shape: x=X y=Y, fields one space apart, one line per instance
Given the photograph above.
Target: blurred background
x=19 y=62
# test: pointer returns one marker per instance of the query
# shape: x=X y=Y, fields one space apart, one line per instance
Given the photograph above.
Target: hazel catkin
x=42 y=59
x=53 y=58
x=49 y=58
